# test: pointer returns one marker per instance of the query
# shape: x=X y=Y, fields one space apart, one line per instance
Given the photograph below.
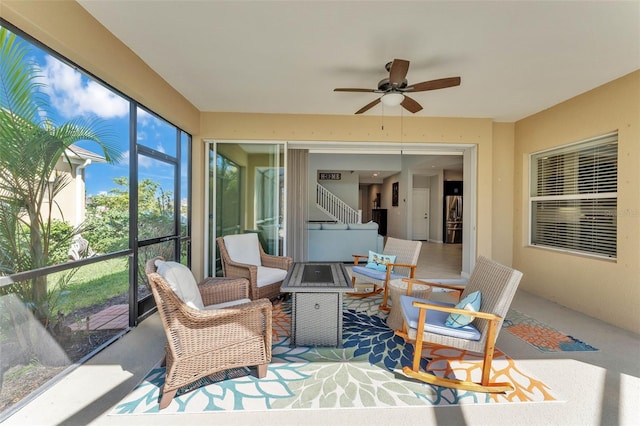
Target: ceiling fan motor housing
x=394 y=93
x=384 y=86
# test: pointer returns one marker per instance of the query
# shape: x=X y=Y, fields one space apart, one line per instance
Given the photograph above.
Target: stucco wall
x=608 y=290
x=502 y=201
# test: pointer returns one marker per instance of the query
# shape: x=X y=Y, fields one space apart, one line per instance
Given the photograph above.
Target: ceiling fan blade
x=347 y=89
x=398 y=71
x=410 y=105
x=368 y=106
x=441 y=83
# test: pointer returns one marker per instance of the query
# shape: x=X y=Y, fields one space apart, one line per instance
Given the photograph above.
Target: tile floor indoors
x=594 y=388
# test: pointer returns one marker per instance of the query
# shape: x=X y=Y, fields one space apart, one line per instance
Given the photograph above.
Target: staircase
x=335 y=208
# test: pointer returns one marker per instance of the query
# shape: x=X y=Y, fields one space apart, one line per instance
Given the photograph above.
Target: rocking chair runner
x=424 y=322
x=406 y=252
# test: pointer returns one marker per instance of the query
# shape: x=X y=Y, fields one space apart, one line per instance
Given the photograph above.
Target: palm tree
x=31 y=145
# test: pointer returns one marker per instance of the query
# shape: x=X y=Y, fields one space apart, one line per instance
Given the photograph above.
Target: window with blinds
x=573 y=197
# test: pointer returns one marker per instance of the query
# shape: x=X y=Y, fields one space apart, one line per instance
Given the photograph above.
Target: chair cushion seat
x=372 y=273
x=228 y=304
x=268 y=276
x=435 y=321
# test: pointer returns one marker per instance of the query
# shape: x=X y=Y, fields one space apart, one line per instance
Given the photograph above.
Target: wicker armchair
x=222 y=336
x=243 y=256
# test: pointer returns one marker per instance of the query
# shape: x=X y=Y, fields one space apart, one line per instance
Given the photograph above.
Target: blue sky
x=72 y=95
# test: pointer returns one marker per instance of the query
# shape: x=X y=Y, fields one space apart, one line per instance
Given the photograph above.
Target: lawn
x=90 y=285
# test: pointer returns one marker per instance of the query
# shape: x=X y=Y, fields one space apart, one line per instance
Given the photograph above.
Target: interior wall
x=605 y=289
x=346 y=188
x=395 y=214
x=372 y=190
x=437 y=214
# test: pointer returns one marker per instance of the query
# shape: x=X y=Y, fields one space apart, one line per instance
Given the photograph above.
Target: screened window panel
x=574 y=197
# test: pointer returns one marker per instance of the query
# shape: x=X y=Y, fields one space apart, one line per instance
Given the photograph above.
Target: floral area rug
x=541 y=336
x=365 y=372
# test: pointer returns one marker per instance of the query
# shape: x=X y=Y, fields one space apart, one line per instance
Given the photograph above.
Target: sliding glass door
x=245 y=193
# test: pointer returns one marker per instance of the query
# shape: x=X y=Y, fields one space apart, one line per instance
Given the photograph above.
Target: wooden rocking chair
x=406 y=252
x=424 y=322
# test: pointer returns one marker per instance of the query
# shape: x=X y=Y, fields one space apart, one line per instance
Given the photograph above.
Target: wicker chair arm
x=219 y=290
x=280 y=262
x=232 y=263
x=207 y=318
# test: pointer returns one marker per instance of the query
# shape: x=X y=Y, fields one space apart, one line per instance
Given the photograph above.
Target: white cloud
x=143 y=161
x=144 y=118
x=74 y=96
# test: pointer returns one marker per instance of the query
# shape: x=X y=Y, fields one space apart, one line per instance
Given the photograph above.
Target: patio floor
x=594 y=388
x=112 y=318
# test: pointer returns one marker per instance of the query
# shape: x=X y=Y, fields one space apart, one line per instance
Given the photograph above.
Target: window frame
x=137 y=312
x=577 y=196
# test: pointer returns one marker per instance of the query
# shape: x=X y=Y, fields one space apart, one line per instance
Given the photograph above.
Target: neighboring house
x=71 y=202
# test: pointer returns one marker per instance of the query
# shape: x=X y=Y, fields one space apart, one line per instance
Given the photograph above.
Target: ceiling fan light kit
x=392 y=99
x=393 y=89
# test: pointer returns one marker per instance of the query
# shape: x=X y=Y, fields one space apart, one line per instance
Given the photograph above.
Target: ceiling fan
x=395 y=87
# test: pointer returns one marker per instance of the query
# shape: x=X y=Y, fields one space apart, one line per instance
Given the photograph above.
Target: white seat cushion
x=268 y=276
x=243 y=248
x=228 y=304
x=181 y=281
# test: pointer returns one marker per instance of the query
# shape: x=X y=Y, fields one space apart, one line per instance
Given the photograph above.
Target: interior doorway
x=420 y=214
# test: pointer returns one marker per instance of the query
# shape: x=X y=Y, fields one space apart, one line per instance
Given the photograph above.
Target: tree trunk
x=39 y=258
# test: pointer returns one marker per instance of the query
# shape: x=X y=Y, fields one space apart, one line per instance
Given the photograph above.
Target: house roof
x=79 y=155
x=515 y=58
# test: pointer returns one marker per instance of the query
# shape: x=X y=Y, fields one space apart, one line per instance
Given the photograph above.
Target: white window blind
x=573 y=197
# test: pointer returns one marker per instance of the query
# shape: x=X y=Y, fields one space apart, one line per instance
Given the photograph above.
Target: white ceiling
x=515 y=57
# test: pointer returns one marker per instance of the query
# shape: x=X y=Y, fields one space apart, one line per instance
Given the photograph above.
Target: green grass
x=92 y=285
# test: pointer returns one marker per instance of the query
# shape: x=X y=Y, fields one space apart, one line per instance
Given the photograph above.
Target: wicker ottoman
x=398 y=288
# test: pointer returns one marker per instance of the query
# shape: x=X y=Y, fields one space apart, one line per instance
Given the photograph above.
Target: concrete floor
x=594 y=388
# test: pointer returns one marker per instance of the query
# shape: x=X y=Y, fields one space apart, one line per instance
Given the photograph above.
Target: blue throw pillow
x=469 y=303
x=379 y=262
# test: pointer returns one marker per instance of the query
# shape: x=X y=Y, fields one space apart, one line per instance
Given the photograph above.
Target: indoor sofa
x=337 y=242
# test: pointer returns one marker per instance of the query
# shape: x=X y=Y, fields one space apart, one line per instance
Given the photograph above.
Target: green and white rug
x=366 y=372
